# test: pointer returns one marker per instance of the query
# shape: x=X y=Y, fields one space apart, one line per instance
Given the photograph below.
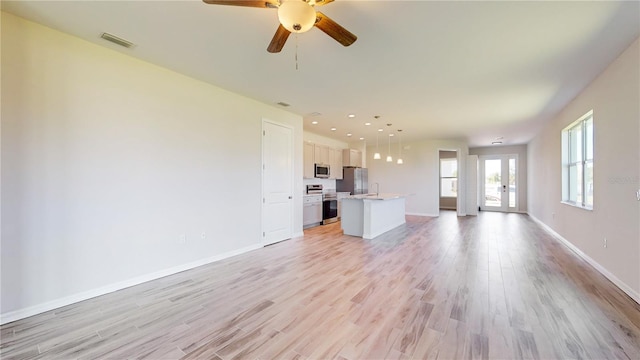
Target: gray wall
x=107 y=160
x=613 y=97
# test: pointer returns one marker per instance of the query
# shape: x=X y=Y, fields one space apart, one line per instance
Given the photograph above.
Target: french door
x=498 y=183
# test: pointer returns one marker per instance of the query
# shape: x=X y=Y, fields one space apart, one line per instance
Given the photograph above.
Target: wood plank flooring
x=496 y=286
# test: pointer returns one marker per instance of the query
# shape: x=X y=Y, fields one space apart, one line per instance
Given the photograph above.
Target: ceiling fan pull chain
x=296 y=51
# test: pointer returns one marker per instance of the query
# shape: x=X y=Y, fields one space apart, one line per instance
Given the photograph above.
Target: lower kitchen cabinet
x=311 y=210
x=341 y=195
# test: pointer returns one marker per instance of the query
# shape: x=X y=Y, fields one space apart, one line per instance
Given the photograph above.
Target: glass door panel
x=512 y=183
x=493 y=183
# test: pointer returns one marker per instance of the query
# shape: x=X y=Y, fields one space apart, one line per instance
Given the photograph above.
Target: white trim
x=298 y=234
x=422 y=214
x=461 y=159
x=72 y=299
x=617 y=282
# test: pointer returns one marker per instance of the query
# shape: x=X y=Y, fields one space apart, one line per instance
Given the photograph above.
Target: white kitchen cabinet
x=335 y=156
x=308 y=161
x=321 y=154
x=351 y=157
x=311 y=210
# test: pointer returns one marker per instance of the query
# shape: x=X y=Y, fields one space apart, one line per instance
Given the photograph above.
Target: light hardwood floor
x=496 y=286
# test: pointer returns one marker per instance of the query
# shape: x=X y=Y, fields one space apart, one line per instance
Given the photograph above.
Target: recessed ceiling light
x=314 y=122
x=361 y=138
x=390 y=134
x=333 y=129
x=315 y=113
x=351 y=116
x=349 y=134
x=380 y=130
x=496 y=142
x=367 y=124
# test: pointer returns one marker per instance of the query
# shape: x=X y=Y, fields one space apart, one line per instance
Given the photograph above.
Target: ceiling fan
x=296 y=16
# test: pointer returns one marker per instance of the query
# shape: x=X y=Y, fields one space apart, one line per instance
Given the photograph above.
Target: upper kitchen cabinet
x=308 y=161
x=351 y=157
x=321 y=154
x=336 y=163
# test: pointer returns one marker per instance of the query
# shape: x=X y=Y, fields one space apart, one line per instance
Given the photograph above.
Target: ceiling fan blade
x=333 y=29
x=258 y=3
x=277 y=43
x=322 y=2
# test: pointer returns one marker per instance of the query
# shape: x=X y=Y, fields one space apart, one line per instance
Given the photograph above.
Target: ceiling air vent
x=116 y=40
x=284 y=104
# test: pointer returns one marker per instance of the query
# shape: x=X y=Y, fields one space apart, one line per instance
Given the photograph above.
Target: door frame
x=292 y=173
x=482 y=187
x=461 y=200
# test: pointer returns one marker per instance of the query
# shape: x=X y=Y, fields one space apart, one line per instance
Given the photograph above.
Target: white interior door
x=277 y=182
x=498 y=183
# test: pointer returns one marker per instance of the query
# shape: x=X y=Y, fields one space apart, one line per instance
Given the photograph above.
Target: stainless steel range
x=329 y=207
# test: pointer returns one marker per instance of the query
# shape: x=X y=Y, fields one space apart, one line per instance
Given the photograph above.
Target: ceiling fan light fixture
x=297 y=16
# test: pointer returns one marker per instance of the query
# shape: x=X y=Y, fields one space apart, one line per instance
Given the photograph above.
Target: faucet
x=377 y=188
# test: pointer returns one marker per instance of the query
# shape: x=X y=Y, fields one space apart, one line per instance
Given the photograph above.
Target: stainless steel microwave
x=321 y=171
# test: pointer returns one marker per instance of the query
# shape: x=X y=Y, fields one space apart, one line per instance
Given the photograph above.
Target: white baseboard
x=422 y=214
x=298 y=234
x=68 y=300
x=617 y=282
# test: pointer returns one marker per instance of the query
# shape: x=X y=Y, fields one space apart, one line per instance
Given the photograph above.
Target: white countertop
x=382 y=196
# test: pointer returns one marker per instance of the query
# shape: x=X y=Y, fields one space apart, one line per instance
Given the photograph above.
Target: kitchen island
x=368 y=216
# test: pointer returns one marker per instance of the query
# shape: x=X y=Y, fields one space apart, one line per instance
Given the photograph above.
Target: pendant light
x=389 y=158
x=376 y=155
x=400 y=162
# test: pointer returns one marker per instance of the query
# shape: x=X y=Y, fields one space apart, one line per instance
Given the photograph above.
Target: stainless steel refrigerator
x=354 y=180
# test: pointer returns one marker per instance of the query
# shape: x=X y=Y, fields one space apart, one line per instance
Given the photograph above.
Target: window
x=449 y=178
x=577 y=162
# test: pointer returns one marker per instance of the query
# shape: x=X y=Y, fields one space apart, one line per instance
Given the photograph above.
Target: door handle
x=504 y=188
x=290 y=197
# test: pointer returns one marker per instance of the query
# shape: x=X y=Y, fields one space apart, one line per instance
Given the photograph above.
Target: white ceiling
x=473 y=70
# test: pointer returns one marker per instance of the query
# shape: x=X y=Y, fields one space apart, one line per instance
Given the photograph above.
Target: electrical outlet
x=203 y=235
x=605 y=243
x=182 y=239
